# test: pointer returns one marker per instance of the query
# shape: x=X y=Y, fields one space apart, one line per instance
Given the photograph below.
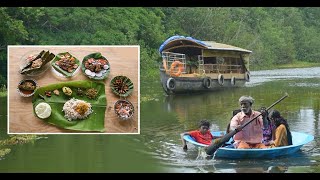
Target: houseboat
x=190 y=65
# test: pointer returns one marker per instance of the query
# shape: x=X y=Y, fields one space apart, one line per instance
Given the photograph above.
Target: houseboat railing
x=169 y=57
x=221 y=68
x=201 y=64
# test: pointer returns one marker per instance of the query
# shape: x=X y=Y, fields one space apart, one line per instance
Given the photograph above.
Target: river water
x=158 y=147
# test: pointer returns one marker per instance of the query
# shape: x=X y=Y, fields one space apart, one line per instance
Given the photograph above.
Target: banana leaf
x=95 y=56
x=59 y=69
x=94 y=122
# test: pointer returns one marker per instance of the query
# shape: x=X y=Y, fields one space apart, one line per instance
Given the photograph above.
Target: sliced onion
x=99 y=74
x=106 y=66
x=88 y=72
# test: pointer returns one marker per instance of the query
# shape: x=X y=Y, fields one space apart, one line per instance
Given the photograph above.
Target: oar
x=213 y=147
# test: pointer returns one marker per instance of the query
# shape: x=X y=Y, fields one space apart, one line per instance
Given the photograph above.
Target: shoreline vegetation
x=298 y=64
x=5 y=144
x=277 y=36
x=7 y=141
x=295 y=64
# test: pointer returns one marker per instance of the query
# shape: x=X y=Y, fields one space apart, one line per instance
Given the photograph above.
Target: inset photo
x=73 y=89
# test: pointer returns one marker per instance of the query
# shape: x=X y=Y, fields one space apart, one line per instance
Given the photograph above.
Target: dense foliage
x=275 y=35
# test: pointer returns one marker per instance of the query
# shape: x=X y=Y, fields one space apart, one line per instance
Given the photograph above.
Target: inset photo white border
x=21 y=116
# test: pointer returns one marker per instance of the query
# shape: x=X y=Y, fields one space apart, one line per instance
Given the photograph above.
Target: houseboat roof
x=220 y=46
x=181 y=41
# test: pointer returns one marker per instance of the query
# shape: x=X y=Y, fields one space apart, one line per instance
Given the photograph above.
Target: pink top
x=252 y=133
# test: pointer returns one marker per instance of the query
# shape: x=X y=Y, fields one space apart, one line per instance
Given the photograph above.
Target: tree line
x=275 y=35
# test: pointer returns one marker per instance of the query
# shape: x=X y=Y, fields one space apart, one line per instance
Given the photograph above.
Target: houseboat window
x=220 y=60
x=210 y=60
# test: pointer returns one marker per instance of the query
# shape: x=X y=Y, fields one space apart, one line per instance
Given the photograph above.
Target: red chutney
x=26 y=92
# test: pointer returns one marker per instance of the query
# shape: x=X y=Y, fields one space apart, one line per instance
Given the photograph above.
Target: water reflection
x=212 y=106
x=279 y=165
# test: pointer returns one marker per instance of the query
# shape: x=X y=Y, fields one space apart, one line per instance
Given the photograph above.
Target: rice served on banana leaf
x=76 y=109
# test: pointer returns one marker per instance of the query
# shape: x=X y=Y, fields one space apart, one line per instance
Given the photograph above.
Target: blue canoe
x=299 y=139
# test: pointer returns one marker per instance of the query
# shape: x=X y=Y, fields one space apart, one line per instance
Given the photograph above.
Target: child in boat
x=202 y=135
x=268 y=127
x=282 y=135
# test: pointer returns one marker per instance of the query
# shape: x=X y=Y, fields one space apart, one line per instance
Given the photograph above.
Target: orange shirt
x=202 y=138
x=252 y=133
x=281 y=138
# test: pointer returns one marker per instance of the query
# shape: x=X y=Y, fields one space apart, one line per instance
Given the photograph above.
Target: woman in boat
x=202 y=135
x=282 y=135
x=251 y=135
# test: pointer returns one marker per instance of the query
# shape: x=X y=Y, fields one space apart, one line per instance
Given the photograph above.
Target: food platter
x=59 y=98
x=95 y=66
x=65 y=65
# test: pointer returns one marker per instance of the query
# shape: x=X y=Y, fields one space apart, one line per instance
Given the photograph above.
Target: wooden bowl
x=23 y=89
x=124 y=109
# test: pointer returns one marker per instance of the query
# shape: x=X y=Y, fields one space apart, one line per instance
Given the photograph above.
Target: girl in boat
x=282 y=135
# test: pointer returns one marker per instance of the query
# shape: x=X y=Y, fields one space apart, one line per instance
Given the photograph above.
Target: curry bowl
x=27 y=87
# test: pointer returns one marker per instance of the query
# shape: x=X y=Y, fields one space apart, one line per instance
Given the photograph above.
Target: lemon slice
x=43 y=110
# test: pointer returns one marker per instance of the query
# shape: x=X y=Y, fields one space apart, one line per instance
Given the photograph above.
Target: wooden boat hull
x=299 y=139
x=181 y=85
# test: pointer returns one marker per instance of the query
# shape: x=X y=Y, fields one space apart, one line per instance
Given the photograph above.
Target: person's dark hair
x=204 y=123
x=234 y=112
x=278 y=120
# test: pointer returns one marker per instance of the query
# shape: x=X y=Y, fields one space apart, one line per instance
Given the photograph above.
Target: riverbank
x=13 y=140
x=298 y=64
x=295 y=64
